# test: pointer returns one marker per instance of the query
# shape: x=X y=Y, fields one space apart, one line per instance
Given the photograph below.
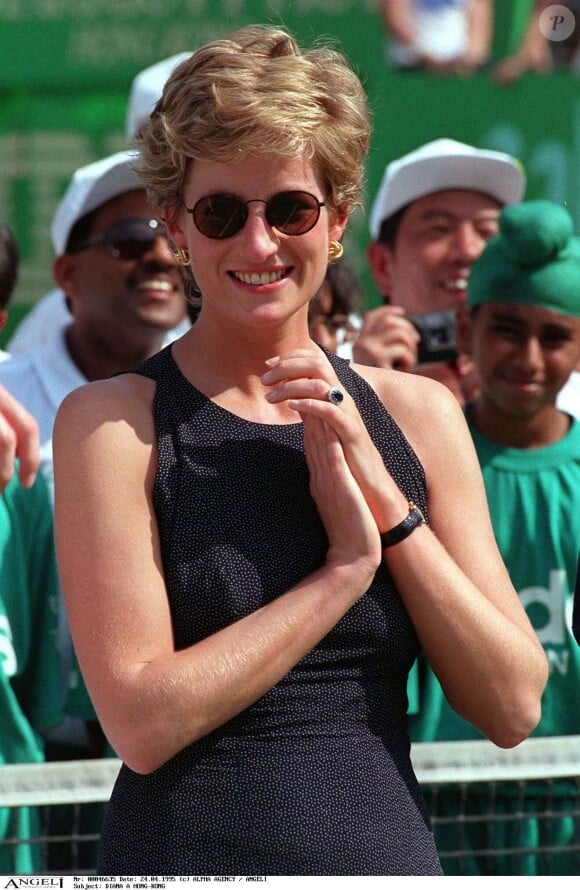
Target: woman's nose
x=260 y=237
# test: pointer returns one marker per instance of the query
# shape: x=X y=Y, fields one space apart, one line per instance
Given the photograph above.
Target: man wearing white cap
x=51 y=313
x=114 y=263
x=434 y=212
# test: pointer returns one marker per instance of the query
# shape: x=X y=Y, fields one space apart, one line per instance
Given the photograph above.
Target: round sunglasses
x=222 y=216
x=126 y=239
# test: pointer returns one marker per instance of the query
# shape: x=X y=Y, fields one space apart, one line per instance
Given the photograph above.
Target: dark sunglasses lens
x=293 y=213
x=219 y=216
x=130 y=239
x=131 y=248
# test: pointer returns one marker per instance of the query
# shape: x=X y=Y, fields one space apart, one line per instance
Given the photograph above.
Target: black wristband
x=404 y=528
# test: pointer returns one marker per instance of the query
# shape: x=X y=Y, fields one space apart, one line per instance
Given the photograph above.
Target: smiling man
x=114 y=263
x=434 y=212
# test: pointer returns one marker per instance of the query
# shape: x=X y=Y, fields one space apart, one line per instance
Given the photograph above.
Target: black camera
x=437 y=330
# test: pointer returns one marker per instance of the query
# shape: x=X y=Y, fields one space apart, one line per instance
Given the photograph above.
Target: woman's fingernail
x=272 y=361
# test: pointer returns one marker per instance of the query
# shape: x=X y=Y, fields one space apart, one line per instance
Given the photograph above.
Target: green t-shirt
x=30 y=689
x=534 y=501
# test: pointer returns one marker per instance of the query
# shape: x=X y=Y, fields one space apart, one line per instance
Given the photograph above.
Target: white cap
x=146 y=90
x=446 y=164
x=89 y=188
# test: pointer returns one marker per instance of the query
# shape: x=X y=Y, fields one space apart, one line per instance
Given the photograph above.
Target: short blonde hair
x=257 y=91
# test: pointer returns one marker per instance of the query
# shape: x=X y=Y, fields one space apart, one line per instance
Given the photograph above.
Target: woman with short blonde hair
x=241 y=521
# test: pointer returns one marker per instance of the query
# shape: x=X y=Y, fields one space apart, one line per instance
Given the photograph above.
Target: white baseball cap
x=146 y=90
x=89 y=188
x=446 y=164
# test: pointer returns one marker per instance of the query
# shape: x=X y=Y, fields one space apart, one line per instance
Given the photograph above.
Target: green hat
x=535 y=259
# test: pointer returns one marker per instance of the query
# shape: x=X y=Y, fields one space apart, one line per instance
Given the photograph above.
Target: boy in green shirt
x=523 y=334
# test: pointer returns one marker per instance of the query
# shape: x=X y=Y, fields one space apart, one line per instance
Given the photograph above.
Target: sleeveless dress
x=314 y=778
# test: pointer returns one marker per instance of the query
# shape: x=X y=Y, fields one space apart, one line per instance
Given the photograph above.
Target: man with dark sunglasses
x=50 y=312
x=114 y=263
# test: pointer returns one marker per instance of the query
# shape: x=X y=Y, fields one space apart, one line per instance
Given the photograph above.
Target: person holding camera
x=434 y=212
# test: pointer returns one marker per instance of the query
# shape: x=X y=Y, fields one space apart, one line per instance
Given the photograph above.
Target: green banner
x=103 y=43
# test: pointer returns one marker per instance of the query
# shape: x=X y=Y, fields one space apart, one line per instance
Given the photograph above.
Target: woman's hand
x=352 y=531
x=303 y=379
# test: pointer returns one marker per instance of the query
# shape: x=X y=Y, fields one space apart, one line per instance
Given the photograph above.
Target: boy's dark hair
x=9 y=262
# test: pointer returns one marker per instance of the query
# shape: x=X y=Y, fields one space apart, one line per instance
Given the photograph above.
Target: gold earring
x=335 y=250
x=181 y=256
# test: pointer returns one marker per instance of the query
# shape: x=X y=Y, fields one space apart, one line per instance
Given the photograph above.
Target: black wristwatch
x=404 y=528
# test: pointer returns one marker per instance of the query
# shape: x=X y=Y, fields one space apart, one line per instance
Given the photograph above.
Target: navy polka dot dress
x=315 y=777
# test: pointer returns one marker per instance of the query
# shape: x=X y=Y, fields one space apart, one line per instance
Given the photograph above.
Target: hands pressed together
x=355 y=495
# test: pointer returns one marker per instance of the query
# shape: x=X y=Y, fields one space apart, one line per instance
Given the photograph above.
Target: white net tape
x=481 y=761
x=85 y=781
x=43 y=784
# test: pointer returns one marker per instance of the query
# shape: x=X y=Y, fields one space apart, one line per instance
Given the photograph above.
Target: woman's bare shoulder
x=408 y=395
x=123 y=389
x=125 y=400
x=426 y=411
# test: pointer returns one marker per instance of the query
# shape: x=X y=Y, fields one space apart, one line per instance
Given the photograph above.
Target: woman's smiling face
x=258 y=276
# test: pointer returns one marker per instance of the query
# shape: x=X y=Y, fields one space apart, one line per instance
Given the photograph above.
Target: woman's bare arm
x=472 y=626
x=151 y=699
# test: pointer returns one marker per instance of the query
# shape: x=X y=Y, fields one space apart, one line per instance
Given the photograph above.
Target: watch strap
x=401 y=531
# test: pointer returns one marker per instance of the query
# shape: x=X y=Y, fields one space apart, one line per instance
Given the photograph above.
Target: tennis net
x=494 y=811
